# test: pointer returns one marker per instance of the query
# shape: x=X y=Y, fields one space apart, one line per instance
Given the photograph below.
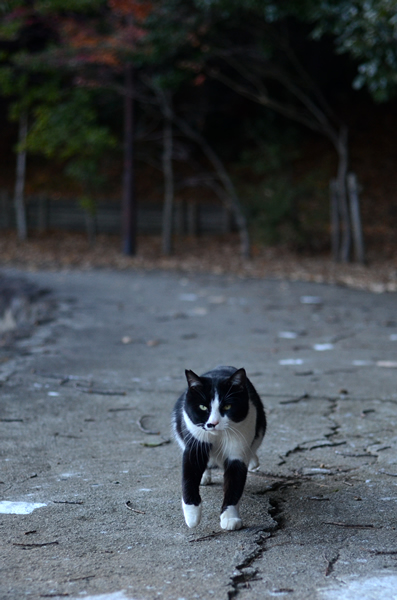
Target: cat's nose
x=210 y=425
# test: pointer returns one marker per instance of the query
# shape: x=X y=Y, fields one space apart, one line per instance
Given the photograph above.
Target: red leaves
x=139 y=10
x=199 y=80
x=90 y=46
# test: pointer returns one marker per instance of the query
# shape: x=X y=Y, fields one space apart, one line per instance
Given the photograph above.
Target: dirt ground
x=206 y=254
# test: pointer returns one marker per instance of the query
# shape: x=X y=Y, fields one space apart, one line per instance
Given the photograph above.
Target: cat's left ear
x=239 y=378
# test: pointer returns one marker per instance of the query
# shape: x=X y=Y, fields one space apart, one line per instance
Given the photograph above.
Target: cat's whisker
x=246 y=445
x=236 y=431
x=228 y=391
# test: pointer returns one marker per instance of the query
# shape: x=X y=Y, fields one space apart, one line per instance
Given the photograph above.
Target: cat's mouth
x=211 y=430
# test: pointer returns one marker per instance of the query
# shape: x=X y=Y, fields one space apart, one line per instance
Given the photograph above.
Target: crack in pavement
x=247 y=573
x=331 y=564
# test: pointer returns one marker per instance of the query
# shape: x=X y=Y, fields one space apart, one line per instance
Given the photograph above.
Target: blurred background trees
x=251 y=103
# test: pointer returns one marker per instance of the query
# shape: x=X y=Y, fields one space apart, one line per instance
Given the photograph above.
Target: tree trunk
x=358 y=238
x=335 y=225
x=168 y=177
x=129 y=208
x=343 y=154
x=19 y=201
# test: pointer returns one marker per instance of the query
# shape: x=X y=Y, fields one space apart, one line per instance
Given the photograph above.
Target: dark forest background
x=283 y=112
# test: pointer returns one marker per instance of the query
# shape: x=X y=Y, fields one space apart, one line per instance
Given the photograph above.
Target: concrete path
x=90 y=502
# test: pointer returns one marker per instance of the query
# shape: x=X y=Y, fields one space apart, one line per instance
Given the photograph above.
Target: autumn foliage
x=139 y=10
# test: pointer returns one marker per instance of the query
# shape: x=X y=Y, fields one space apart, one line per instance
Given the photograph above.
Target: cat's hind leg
x=253 y=458
x=253 y=463
x=206 y=478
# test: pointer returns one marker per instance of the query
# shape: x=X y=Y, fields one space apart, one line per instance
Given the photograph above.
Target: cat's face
x=213 y=404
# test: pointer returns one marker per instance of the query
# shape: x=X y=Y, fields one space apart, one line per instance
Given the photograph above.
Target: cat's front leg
x=194 y=462
x=234 y=482
x=192 y=514
x=230 y=518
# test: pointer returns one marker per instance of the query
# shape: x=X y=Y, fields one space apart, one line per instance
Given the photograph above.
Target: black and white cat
x=218 y=421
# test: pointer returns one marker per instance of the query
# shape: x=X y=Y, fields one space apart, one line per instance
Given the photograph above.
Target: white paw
x=192 y=514
x=230 y=519
x=206 y=478
x=254 y=463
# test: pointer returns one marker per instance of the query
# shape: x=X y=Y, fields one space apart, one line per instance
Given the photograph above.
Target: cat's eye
x=227 y=407
x=202 y=407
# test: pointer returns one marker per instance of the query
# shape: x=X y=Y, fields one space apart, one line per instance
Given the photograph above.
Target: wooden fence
x=44 y=213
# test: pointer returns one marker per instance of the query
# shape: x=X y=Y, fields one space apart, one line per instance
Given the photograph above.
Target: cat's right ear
x=239 y=377
x=193 y=380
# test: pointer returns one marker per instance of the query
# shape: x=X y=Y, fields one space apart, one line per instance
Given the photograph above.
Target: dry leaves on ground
x=206 y=254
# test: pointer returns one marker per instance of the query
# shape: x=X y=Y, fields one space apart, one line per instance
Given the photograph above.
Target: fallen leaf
x=155 y=444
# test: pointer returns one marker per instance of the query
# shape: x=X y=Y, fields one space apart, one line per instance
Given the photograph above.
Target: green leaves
x=68 y=130
x=367 y=30
x=68 y=127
